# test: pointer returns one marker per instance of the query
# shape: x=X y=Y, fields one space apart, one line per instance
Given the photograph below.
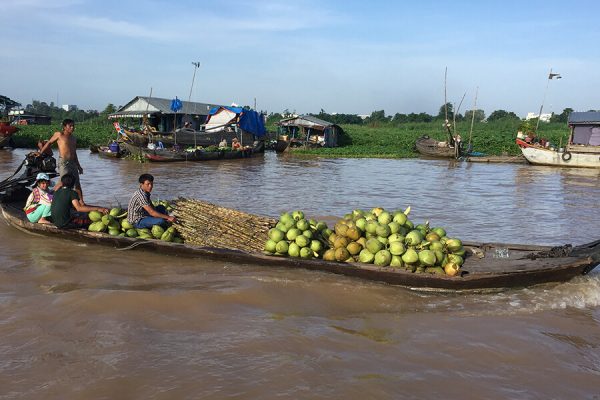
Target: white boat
x=582 y=149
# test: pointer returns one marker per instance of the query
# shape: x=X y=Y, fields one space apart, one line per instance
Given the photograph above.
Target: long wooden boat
x=184 y=137
x=434 y=148
x=488 y=266
x=170 y=155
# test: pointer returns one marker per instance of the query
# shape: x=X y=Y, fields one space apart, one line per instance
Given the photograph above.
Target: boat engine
x=17 y=186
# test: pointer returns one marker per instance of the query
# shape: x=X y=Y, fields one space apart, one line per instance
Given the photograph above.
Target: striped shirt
x=135 y=209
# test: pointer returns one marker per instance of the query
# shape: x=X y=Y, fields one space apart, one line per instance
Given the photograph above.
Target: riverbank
x=358 y=141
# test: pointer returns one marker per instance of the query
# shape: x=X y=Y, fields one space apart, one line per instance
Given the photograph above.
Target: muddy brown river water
x=88 y=322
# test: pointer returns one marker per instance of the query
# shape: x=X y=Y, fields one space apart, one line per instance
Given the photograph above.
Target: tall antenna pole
x=550 y=77
x=196 y=65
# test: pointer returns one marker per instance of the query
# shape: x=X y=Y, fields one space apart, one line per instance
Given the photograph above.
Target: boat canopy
x=248 y=120
x=586 y=128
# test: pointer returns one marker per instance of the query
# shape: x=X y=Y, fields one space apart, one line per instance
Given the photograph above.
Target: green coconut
x=316 y=246
x=410 y=256
x=297 y=215
x=294 y=250
x=270 y=246
x=302 y=224
x=97 y=226
x=374 y=245
x=306 y=252
x=427 y=258
x=397 y=248
x=126 y=225
x=383 y=258
x=132 y=232
x=302 y=241
x=276 y=235
x=453 y=244
x=365 y=256
x=282 y=247
x=413 y=237
x=293 y=233
x=95 y=216
x=399 y=217
x=396 y=262
x=383 y=231
x=157 y=231
x=384 y=218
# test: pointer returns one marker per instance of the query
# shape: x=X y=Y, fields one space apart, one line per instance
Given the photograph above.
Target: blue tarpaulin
x=250 y=121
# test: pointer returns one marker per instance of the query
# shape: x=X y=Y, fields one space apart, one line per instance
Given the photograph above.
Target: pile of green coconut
x=379 y=237
x=115 y=223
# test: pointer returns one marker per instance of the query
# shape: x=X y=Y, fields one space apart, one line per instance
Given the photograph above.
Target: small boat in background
x=113 y=150
x=582 y=149
x=435 y=148
x=6 y=132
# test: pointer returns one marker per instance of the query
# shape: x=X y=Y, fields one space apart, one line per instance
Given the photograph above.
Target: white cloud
x=119 y=28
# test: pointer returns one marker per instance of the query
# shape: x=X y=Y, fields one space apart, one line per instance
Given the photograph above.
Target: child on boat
x=37 y=206
x=235 y=144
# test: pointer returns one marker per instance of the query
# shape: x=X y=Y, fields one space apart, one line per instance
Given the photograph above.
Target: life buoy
x=566 y=156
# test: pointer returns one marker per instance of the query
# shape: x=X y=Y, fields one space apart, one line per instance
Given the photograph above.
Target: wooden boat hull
x=573 y=156
x=432 y=148
x=479 y=274
x=168 y=155
x=188 y=138
x=5 y=140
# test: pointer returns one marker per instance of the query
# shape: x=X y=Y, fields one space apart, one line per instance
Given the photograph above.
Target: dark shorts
x=78 y=220
x=69 y=167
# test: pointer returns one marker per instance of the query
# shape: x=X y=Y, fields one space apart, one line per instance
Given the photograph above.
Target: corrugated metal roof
x=588 y=117
x=141 y=105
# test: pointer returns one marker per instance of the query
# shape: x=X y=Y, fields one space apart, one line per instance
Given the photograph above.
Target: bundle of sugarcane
x=205 y=224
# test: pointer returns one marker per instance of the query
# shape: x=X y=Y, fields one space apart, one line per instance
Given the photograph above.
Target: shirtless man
x=68 y=163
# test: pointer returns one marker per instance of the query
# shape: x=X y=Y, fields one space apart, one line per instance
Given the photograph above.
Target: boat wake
x=579 y=293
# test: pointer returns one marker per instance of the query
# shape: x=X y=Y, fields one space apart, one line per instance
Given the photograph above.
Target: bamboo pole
x=473 y=116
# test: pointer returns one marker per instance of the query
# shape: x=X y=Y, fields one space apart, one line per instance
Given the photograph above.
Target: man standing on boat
x=140 y=212
x=68 y=163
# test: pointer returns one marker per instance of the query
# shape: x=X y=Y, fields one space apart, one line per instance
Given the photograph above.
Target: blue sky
x=341 y=56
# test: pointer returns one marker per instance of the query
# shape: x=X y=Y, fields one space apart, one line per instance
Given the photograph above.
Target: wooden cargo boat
x=434 y=148
x=488 y=266
x=170 y=155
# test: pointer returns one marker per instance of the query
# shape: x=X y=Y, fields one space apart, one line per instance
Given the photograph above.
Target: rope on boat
x=204 y=224
x=134 y=245
x=554 y=252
